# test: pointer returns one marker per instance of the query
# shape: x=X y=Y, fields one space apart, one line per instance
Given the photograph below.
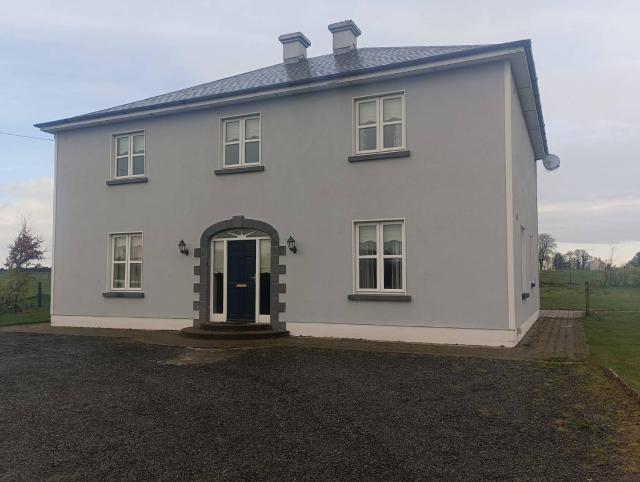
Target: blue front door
x=241 y=281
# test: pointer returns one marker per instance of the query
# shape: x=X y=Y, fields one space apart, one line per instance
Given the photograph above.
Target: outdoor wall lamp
x=291 y=243
x=182 y=246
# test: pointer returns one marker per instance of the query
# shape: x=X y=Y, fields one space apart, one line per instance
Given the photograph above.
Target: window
x=130 y=153
x=241 y=146
x=380 y=124
x=126 y=261
x=380 y=252
x=524 y=260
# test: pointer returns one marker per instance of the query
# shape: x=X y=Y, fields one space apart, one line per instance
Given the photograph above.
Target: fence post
x=39 y=294
x=587 y=301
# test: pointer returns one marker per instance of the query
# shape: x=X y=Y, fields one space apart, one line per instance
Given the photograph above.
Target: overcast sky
x=65 y=58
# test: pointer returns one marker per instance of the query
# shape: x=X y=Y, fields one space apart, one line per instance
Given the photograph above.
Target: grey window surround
x=238 y=170
x=525 y=296
x=127 y=180
x=378 y=297
x=123 y=294
x=379 y=156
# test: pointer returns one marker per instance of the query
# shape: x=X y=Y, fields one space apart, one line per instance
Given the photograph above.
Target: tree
x=559 y=262
x=635 y=261
x=546 y=247
x=25 y=250
x=581 y=258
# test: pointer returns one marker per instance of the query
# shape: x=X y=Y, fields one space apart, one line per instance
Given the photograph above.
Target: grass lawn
x=35 y=315
x=614 y=342
x=613 y=328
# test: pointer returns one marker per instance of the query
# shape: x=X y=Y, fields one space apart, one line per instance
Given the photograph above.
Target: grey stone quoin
x=202 y=306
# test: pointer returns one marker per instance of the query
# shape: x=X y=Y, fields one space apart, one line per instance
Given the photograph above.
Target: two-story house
x=377 y=193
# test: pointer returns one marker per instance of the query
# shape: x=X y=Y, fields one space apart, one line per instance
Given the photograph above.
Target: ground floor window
x=380 y=256
x=126 y=261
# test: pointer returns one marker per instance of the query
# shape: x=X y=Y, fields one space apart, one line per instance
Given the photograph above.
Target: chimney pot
x=294 y=46
x=345 y=36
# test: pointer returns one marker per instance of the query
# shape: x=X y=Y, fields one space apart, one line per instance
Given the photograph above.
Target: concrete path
x=549 y=338
x=562 y=314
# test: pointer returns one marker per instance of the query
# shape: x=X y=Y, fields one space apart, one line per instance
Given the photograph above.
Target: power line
x=28 y=137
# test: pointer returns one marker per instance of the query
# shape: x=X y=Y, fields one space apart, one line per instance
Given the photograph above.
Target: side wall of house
x=525 y=219
x=451 y=193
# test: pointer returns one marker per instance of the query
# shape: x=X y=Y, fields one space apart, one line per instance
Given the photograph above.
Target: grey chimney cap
x=295 y=37
x=345 y=25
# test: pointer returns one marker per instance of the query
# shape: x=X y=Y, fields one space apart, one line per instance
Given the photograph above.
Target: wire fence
x=36 y=302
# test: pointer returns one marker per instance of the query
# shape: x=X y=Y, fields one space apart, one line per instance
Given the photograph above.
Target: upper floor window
x=379 y=264
x=380 y=124
x=130 y=154
x=126 y=261
x=241 y=141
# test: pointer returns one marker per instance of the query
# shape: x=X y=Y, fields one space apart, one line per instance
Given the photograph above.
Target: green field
x=32 y=314
x=613 y=326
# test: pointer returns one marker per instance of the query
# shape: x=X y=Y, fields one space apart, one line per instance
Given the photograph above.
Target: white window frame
x=380 y=124
x=260 y=318
x=241 y=141
x=127 y=262
x=380 y=256
x=129 y=156
x=525 y=269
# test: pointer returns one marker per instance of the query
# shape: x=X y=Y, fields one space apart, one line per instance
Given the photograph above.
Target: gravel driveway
x=98 y=408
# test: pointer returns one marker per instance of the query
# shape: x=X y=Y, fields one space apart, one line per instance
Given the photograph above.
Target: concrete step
x=192 y=332
x=230 y=326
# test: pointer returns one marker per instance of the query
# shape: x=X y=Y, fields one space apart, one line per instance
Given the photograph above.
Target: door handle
x=241 y=285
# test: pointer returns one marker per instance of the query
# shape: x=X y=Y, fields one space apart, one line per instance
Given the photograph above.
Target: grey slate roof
x=324 y=67
x=313 y=69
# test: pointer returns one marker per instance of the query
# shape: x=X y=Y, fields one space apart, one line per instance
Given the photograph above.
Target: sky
x=65 y=58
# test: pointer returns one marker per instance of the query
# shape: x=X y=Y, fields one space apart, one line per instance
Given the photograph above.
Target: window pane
x=138 y=165
x=392 y=135
x=122 y=146
x=135 y=275
x=119 y=248
x=118 y=275
x=232 y=154
x=136 y=248
x=232 y=131
x=252 y=152
x=138 y=144
x=218 y=257
x=392 y=238
x=367 y=139
x=393 y=274
x=218 y=276
x=368 y=273
x=252 y=128
x=265 y=255
x=392 y=110
x=367 y=113
x=367 y=240
x=265 y=276
x=122 y=167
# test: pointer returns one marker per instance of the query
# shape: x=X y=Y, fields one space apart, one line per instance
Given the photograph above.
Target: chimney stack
x=345 y=36
x=294 y=46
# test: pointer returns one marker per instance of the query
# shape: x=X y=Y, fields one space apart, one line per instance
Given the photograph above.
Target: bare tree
x=546 y=247
x=581 y=258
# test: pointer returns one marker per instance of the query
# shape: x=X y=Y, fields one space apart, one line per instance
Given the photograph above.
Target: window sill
x=525 y=296
x=238 y=170
x=379 y=155
x=378 y=297
x=127 y=180
x=123 y=294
